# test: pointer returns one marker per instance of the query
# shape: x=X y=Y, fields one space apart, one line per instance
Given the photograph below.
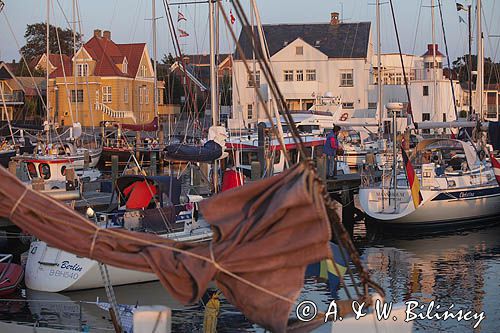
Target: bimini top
x=450 y=144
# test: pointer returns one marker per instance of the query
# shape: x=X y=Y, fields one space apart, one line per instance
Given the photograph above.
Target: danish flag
x=496 y=167
x=180 y=17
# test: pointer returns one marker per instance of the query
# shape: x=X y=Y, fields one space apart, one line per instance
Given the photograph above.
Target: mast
x=469 y=13
x=213 y=84
x=480 y=62
x=379 y=73
x=434 y=64
x=74 y=54
x=153 y=23
x=47 y=104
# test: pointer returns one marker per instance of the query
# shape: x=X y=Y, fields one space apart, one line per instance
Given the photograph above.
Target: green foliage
x=491 y=70
x=35 y=36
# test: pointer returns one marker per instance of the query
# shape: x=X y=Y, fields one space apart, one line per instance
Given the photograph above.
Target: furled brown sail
x=266 y=233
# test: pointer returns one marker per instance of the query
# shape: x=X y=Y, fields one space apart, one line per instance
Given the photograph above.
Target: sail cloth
x=265 y=235
x=209 y=152
x=149 y=127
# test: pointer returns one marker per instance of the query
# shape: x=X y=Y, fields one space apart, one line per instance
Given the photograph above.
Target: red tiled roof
x=62 y=67
x=108 y=55
x=133 y=52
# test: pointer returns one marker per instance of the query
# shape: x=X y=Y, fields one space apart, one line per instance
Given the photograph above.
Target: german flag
x=413 y=180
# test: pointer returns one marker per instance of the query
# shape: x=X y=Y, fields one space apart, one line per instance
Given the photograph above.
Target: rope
x=17 y=203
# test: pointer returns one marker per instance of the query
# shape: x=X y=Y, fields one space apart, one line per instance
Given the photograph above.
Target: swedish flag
x=330 y=270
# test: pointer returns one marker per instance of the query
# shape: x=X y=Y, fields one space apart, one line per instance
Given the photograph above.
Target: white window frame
x=141 y=95
x=143 y=71
x=83 y=70
x=299 y=75
x=347 y=78
x=107 y=94
x=348 y=105
x=257 y=79
x=125 y=94
x=125 y=66
x=146 y=95
x=288 y=75
x=310 y=75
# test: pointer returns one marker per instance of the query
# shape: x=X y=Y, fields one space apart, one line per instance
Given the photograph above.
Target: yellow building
x=114 y=82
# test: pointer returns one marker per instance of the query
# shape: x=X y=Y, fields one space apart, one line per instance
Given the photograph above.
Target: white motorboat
x=458 y=189
x=54 y=270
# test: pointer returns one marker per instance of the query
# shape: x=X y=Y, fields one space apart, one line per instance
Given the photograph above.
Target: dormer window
x=83 y=69
x=125 y=66
x=285 y=43
x=317 y=43
x=142 y=72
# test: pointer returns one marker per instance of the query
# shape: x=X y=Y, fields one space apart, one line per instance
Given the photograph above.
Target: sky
x=129 y=21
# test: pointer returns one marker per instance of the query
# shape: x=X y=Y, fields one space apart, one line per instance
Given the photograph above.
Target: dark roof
x=203 y=59
x=343 y=40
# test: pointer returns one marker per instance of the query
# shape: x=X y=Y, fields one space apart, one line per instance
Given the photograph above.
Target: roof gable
x=289 y=52
x=343 y=40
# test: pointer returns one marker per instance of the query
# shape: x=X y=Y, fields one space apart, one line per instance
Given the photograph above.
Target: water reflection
x=460 y=268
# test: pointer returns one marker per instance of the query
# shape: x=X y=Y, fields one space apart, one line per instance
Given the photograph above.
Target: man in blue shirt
x=330 y=150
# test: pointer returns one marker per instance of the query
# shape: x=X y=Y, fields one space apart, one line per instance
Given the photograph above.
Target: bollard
x=153 y=319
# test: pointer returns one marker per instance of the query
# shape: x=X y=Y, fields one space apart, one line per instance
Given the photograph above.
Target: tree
x=35 y=36
x=491 y=70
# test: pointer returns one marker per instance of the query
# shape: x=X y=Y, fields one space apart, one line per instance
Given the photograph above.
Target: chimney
x=334 y=18
x=430 y=49
x=97 y=33
x=107 y=34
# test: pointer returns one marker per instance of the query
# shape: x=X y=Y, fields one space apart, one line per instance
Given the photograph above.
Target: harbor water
x=460 y=268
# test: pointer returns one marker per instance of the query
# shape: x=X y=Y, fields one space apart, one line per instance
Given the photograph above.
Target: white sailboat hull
x=439 y=208
x=53 y=270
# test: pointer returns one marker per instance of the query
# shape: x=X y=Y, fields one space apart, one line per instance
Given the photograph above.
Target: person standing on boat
x=330 y=150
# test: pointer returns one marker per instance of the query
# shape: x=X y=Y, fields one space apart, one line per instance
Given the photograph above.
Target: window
x=372 y=105
x=97 y=96
x=425 y=90
x=257 y=79
x=44 y=170
x=249 y=111
x=141 y=94
x=348 y=105
x=299 y=74
x=32 y=170
x=106 y=94
x=444 y=117
x=346 y=78
x=288 y=75
x=83 y=69
x=143 y=71
x=311 y=75
x=125 y=95
x=299 y=50
x=125 y=66
x=426 y=116
x=146 y=95
x=76 y=96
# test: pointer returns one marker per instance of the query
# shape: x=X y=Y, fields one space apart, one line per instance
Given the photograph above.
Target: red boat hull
x=11 y=278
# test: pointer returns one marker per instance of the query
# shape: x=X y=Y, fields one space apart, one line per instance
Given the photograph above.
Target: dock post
x=114 y=168
x=347 y=200
x=256 y=170
x=137 y=145
x=13 y=167
x=152 y=164
x=153 y=319
x=86 y=159
x=321 y=167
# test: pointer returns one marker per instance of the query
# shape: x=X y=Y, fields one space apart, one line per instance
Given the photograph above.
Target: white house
x=425 y=82
x=308 y=61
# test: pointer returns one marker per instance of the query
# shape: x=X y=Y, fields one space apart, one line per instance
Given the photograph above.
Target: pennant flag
x=496 y=167
x=182 y=33
x=412 y=180
x=233 y=19
x=180 y=17
x=461 y=20
x=330 y=270
x=460 y=7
